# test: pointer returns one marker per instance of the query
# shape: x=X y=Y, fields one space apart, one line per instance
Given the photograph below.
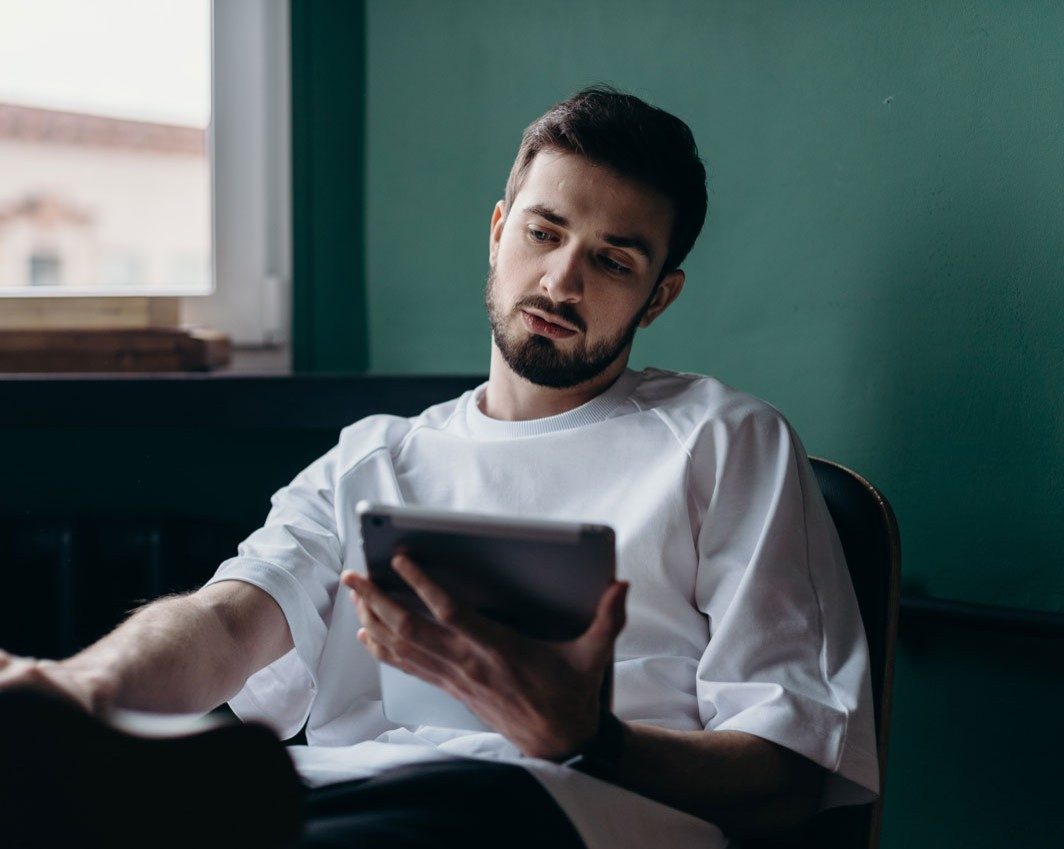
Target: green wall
x=881 y=261
x=883 y=251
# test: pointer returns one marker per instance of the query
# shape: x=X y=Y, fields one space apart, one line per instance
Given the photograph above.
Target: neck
x=511 y=398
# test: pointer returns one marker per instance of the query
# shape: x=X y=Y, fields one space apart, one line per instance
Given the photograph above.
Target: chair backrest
x=870 y=540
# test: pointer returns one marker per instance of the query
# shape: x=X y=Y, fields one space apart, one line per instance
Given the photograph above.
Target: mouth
x=545 y=327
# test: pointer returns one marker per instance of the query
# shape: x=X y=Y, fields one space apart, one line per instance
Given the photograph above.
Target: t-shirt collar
x=598 y=409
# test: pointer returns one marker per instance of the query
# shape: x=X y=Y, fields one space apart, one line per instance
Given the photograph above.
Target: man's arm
x=746 y=785
x=183 y=654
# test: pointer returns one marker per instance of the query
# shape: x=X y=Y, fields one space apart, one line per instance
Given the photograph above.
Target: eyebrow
x=636 y=243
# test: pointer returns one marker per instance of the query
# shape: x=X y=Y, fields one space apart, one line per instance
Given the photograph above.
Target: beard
x=539 y=359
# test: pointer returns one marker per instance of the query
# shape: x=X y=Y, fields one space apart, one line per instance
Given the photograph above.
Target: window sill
x=274 y=360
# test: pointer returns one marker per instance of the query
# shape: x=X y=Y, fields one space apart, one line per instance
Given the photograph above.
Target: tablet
x=543 y=578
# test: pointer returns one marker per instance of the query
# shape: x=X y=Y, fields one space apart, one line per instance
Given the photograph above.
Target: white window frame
x=251 y=175
x=250 y=154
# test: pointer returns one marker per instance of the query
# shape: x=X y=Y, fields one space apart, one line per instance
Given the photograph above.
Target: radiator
x=68 y=581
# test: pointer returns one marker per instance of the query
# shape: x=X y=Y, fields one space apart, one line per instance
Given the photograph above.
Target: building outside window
x=144 y=151
x=105 y=109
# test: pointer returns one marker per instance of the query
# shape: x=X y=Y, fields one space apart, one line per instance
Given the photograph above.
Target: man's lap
x=462 y=802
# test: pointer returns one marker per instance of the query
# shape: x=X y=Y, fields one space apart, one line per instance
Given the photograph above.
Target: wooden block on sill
x=66 y=313
x=121 y=350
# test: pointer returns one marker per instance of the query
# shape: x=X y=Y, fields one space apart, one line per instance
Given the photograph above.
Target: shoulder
x=387 y=432
x=697 y=406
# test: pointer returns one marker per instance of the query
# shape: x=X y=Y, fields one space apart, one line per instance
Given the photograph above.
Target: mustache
x=548 y=307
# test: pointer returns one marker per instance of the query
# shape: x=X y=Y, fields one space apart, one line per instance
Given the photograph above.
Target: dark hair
x=633 y=139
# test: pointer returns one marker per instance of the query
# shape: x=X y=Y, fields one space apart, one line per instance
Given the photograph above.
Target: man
x=742 y=698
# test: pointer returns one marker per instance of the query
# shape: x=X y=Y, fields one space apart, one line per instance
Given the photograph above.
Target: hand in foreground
x=542 y=696
x=48 y=676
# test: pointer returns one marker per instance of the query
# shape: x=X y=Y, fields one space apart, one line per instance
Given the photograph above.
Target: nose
x=563 y=281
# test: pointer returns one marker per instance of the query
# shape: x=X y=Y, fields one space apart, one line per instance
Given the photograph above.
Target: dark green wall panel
x=328 y=91
x=226 y=474
x=975 y=739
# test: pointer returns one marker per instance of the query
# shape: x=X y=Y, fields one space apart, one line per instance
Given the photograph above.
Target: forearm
x=742 y=783
x=175 y=655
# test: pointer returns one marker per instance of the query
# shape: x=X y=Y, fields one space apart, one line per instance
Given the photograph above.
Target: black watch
x=602 y=756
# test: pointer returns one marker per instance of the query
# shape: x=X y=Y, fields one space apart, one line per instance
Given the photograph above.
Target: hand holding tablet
x=544 y=582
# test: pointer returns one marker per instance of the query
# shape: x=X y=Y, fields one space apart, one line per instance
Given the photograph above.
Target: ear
x=668 y=291
x=498 y=219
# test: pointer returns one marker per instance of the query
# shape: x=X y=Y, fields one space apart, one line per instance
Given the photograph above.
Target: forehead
x=594 y=198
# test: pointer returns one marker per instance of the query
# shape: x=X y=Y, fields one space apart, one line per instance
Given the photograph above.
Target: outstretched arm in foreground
x=179 y=654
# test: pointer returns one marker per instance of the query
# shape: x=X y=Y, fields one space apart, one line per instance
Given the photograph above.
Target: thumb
x=609 y=616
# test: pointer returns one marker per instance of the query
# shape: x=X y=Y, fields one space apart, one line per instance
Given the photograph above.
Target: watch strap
x=601 y=757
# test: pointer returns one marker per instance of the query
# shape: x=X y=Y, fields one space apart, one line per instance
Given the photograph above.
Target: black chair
x=872 y=544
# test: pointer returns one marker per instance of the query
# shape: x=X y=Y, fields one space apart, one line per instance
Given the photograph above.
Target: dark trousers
x=457 y=803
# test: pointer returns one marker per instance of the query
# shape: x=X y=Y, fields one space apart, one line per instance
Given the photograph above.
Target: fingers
x=450 y=646
x=388 y=646
x=618 y=605
x=18 y=670
x=385 y=608
x=609 y=620
x=408 y=658
x=609 y=616
x=443 y=607
x=404 y=632
x=43 y=676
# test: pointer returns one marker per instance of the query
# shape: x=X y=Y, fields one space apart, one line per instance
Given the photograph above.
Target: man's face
x=573 y=268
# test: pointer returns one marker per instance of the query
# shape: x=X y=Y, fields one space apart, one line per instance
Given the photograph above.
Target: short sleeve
x=296 y=556
x=787 y=658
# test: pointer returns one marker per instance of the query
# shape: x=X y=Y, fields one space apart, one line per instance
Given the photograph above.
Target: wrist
x=90 y=684
x=601 y=755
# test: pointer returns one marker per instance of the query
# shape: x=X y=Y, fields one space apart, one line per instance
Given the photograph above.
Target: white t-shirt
x=740 y=613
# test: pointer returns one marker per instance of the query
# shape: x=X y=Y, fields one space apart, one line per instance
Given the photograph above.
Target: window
x=104 y=117
x=144 y=151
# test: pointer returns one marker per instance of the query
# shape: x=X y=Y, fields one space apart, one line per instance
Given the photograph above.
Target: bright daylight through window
x=105 y=178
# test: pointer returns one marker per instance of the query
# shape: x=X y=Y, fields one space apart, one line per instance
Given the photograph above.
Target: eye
x=539 y=235
x=614 y=266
